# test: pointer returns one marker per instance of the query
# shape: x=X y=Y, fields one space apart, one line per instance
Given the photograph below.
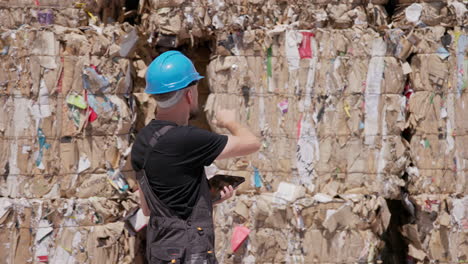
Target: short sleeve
x=201 y=147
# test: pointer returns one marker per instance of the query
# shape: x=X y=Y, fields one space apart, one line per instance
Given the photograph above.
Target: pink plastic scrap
x=239 y=235
x=305 y=51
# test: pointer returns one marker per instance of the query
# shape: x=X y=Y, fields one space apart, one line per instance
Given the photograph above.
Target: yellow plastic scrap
x=346 y=109
x=67 y=250
x=77 y=100
x=82 y=6
x=92 y=16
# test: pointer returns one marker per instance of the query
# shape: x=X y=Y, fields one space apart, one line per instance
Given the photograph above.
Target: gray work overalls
x=171 y=239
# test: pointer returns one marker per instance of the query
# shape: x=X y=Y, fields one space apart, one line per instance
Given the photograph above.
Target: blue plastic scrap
x=442 y=53
x=5 y=50
x=99 y=108
x=42 y=144
x=257 y=178
x=93 y=81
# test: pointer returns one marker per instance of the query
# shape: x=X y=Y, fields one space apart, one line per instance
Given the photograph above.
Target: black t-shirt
x=176 y=164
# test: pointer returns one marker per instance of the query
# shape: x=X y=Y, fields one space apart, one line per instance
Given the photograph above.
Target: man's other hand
x=226 y=193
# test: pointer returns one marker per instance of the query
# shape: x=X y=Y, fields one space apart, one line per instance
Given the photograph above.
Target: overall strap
x=154 y=139
x=156 y=206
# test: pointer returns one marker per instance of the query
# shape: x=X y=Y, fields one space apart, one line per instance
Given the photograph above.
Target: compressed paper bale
x=7 y=236
x=334 y=119
x=430 y=152
x=327 y=148
x=394 y=79
x=101 y=151
x=430 y=73
x=437 y=249
x=24 y=3
x=42 y=16
x=270 y=244
x=458 y=121
x=277 y=148
x=37 y=186
x=427 y=114
x=90 y=185
x=357 y=75
x=395 y=112
x=320 y=247
x=431 y=14
x=436 y=181
x=460 y=238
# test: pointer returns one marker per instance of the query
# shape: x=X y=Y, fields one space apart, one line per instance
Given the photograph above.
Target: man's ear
x=189 y=96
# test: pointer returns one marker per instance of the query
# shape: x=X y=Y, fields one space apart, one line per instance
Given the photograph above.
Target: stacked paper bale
x=437 y=98
x=66 y=116
x=334 y=109
x=360 y=113
x=171 y=23
x=329 y=122
x=70 y=13
x=434 y=58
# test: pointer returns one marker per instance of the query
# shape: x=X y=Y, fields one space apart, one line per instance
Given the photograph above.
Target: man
x=169 y=157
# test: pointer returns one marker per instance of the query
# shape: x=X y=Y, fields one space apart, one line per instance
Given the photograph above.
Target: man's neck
x=174 y=117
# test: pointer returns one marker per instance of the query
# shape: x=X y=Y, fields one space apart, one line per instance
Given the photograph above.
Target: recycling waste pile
x=360 y=107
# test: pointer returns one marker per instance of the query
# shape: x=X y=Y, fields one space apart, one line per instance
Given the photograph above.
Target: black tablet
x=219 y=181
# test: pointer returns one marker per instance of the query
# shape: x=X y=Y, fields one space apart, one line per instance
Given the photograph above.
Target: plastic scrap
x=129 y=43
x=283 y=106
x=257 y=178
x=117 y=179
x=442 y=53
x=288 y=192
x=305 y=50
x=413 y=12
x=42 y=144
x=346 y=109
x=83 y=164
x=269 y=67
x=239 y=235
x=100 y=104
x=45 y=18
x=4 y=50
x=93 y=81
x=77 y=100
x=137 y=220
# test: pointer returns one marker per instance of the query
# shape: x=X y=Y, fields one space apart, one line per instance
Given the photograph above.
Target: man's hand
x=224 y=118
x=241 y=142
x=227 y=193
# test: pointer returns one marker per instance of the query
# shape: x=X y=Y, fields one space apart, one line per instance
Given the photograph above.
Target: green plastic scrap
x=77 y=100
x=269 y=68
x=432 y=98
x=426 y=143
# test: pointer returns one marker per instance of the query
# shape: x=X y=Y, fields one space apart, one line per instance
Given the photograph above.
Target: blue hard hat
x=170 y=71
